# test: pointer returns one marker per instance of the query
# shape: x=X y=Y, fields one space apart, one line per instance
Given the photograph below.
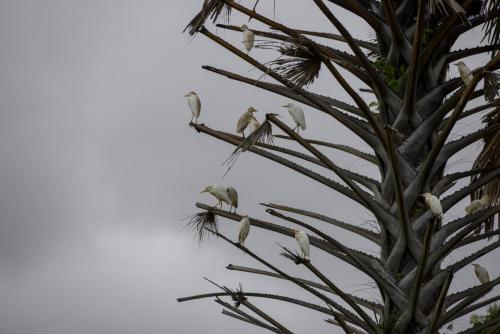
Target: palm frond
x=492 y=27
x=297 y=63
x=212 y=9
x=263 y=134
x=489 y=158
x=202 y=223
x=491 y=85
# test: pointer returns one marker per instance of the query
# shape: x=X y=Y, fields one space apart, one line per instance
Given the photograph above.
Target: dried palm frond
x=293 y=256
x=491 y=85
x=297 y=63
x=203 y=223
x=211 y=8
x=443 y=6
x=489 y=158
x=263 y=134
x=492 y=27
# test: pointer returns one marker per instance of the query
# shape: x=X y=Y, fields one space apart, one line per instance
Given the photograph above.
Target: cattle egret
x=477 y=205
x=465 y=72
x=233 y=198
x=297 y=115
x=254 y=124
x=244 y=229
x=218 y=192
x=481 y=273
x=194 y=104
x=244 y=120
x=434 y=204
x=248 y=38
x=303 y=241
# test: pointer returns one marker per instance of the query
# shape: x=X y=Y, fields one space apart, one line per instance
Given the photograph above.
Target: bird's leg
x=296 y=128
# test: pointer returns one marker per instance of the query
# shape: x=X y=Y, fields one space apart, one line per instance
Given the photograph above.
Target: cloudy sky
x=99 y=169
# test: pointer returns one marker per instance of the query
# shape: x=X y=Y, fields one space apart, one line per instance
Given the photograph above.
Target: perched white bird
x=477 y=205
x=244 y=229
x=244 y=120
x=303 y=241
x=218 y=192
x=233 y=198
x=481 y=273
x=248 y=38
x=297 y=115
x=465 y=72
x=434 y=204
x=254 y=124
x=194 y=104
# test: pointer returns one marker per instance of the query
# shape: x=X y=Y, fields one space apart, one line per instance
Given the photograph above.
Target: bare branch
x=307 y=172
x=348 y=315
x=458 y=296
x=336 y=37
x=437 y=312
x=265 y=316
x=367 y=200
x=321 y=105
x=474 y=307
x=344 y=297
x=360 y=301
x=372 y=236
x=316 y=242
x=248 y=318
x=344 y=148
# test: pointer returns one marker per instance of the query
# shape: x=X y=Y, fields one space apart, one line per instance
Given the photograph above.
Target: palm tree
x=405 y=67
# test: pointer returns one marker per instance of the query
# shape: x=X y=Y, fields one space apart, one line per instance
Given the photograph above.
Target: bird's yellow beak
x=186 y=95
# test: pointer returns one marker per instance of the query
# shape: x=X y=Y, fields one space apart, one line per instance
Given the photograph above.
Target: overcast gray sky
x=99 y=167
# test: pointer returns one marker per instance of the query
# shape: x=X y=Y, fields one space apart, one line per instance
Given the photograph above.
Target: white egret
x=233 y=198
x=303 y=241
x=244 y=120
x=218 y=192
x=481 y=273
x=297 y=115
x=244 y=229
x=254 y=124
x=477 y=205
x=465 y=72
x=248 y=38
x=194 y=104
x=434 y=204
